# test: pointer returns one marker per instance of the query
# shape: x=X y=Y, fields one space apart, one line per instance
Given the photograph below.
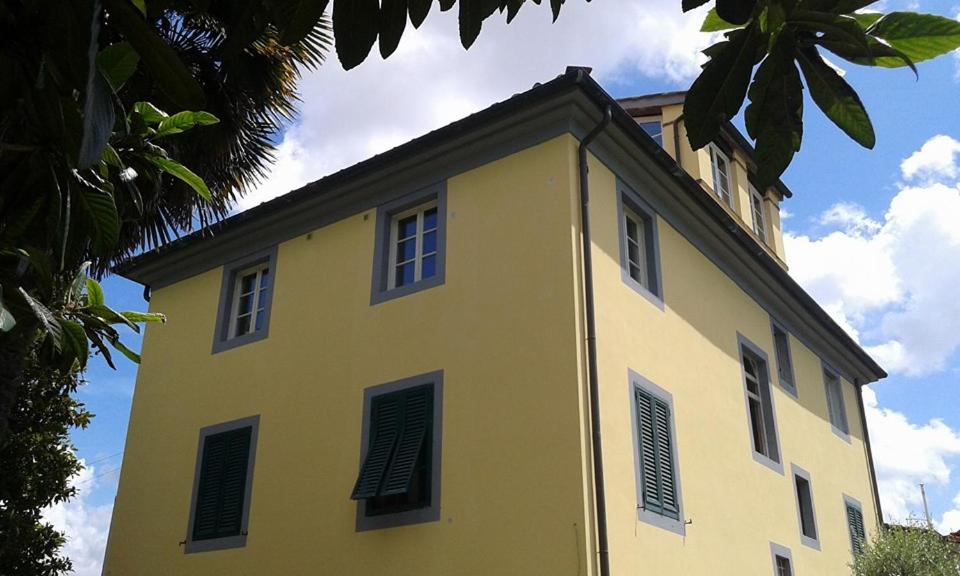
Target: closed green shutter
x=858 y=534
x=400 y=425
x=658 y=479
x=222 y=486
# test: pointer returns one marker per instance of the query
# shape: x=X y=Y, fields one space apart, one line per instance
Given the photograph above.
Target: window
x=756 y=206
x=720 y=164
x=245 y=296
x=805 y=510
x=398 y=482
x=835 y=405
x=782 y=560
x=222 y=486
x=654 y=129
x=658 y=483
x=639 y=260
x=781 y=344
x=858 y=535
x=409 y=252
x=763 y=432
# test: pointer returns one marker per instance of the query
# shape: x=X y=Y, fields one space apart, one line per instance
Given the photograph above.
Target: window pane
x=247 y=283
x=246 y=304
x=430 y=219
x=406 y=250
x=632 y=233
x=633 y=253
x=260 y=317
x=636 y=273
x=405 y=274
x=783 y=567
x=264 y=278
x=262 y=299
x=243 y=325
x=428 y=267
x=756 y=427
x=805 y=501
x=407 y=227
x=429 y=243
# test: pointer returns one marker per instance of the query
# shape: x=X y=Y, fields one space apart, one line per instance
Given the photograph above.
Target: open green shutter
x=385 y=421
x=417 y=421
x=222 y=486
x=668 y=493
x=648 y=453
x=857 y=532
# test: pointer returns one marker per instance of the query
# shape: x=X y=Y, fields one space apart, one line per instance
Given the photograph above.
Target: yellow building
x=412 y=367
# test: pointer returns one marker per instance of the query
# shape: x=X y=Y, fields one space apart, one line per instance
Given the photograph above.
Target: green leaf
x=555 y=6
x=94 y=293
x=736 y=11
x=103 y=316
x=75 y=343
x=774 y=117
x=689 y=5
x=717 y=94
x=919 y=36
x=393 y=20
x=866 y=20
x=355 y=25
x=144 y=317
x=446 y=5
x=178 y=170
x=98 y=113
x=471 y=17
x=513 y=8
x=150 y=113
x=101 y=215
x=418 y=11
x=303 y=19
x=117 y=63
x=836 y=98
x=168 y=71
x=838 y=26
x=79 y=283
x=183 y=121
x=111 y=157
x=714 y=23
x=101 y=347
x=130 y=354
x=49 y=323
x=140 y=5
x=7 y=321
x=876 y=53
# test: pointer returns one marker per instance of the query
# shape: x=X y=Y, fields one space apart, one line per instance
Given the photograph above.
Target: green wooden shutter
x=222 y=486
x=385 y=422
x=650 y=483
x=668 y=492
x=857 y=532
x=417 y=422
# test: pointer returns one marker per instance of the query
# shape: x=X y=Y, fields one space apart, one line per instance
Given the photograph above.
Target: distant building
x=392 y=370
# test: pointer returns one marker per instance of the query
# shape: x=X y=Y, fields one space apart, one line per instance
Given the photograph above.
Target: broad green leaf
x=7 y=321
x=111 y=157
x=304 y=18
x=98 y=113
x=49 y=323
x=875 y=54
x=141 y=5
x=513 y=8
x=736 y=11
x=919 y=36
x=79 y=283
x=117 y=63
x=714 y=23
x=866 y=19
x=354 y=29
x=101 y=215
x=420 y=8
x=839 y=26
x=94 y=293
x=717 y=94
x=836 y=98
x=393 y=21
x=472 y=14
x=75 y=343
x=97 y=340
x=447 y=4
x=555 y=6
x=102 y=316
x=130 y=354
x=183 y=121
x=138 y=317
x=150 y=113
x=160 y=59
x=178 y=170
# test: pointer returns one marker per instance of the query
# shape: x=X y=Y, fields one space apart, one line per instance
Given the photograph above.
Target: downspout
x=592 y=377
x=866 y=444
x=676 y=139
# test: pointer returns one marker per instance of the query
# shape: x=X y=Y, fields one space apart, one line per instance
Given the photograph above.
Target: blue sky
x=831 y=249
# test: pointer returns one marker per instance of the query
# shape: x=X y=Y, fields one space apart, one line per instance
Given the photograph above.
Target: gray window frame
x=775 y=460
x=814 y=542
x=380 y=290
x=429 y=513
x=854 y=503
x=786 y=376
x=678 y=526
x=221 y=339
x=192 y=546
x=830 y=375
x=627 y=199
x=783 y=552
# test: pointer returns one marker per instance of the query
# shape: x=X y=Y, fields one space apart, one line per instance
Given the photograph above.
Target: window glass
x=414 y=245
x=835 y=405
x=636 y=248
x=249 y=301
x=783 y=566
x=759 y=405
x=781 y=342
x=808 y=525
x=721 y=174
x=759 y=223
x=655 y=129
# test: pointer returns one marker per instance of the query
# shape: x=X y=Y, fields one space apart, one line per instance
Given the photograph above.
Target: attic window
x=654 y=128
x=720 y=165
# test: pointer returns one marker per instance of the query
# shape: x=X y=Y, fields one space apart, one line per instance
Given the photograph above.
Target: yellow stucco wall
x=737 y=506
x=502 y=328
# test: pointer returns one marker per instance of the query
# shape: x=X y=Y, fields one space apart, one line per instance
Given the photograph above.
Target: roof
x=574 y=80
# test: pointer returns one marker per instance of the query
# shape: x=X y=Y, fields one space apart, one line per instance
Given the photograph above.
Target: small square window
x=759 y=222
x=639 y=249
x=722 y=183
x=836 y=409
x=783 y=566
x=399 y=478
x=222 y=486
x=410 y=244
x=782 y=560
x=246 y=293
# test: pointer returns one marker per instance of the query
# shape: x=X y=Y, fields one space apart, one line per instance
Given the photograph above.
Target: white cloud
x=892 y=282
x=950 y=521
x=906 y=454
x=935 y=159
x=84 y=525
x=431 y=80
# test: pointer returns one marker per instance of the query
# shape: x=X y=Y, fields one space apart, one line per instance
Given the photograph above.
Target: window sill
x=641 y=289
x=213 y=544
x=224 y=345
x=810 y=542
x=392 y=293
x=845 y=436
x=768 y=462
x=663 y=522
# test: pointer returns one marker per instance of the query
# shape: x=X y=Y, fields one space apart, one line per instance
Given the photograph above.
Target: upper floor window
x=720 y=165
x=759 y=223
x=635 y=228
x=836 y=408
x=245 y=298
x=409 y=252
x=781 y=345
x=654 y=128
x=763 y=431
x=782 y=560
x=639 y=259
x=855 y=526
x=805 y=510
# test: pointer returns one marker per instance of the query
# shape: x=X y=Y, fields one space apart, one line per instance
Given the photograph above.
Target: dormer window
x=756 y=206
x=654 y=128
x=720 y=165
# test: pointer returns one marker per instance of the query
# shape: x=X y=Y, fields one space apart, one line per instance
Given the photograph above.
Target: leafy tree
x=37 y=464
x=909 y=550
